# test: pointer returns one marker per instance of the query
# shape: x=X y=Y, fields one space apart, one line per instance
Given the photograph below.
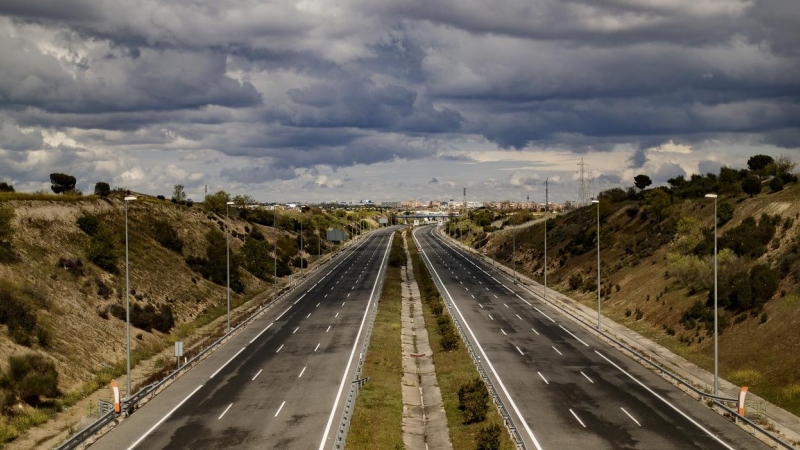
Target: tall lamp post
x=127 y=303
x=301 y=247
x=275 y=255
x=514 y=254
x=228 y=256
x=599 y=305
x=716 y=329
x=546 y=194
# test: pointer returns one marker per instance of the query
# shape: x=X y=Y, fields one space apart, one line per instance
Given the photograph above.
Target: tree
x=781 y=166
x=242 y=201
x=641 y=181
x=102 y=189
x=776 y=184
x=751 y=186
x=758 y=163
x=217 y=202
x=657 y=201
x=62 y=183
x=178 y=195
x=725 y=213
x=5 y=187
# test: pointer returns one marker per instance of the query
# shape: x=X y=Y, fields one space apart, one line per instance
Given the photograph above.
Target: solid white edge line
x=226 y=363
x=543 y=378
x=355 y=344
x=223 y=412
x=540 y=311
x=577 y=418
x=287 y=310
x=629 y=415
x=166 y=416
x=576 y=337
x=686 y=416
x=262 y=332
x=259 y=373
x=280 y=408
x=483 y=353
x=587 y=377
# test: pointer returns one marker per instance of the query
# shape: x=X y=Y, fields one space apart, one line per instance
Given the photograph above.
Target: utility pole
x=583 y=188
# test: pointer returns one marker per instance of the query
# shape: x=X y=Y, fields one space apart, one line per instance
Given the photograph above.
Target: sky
x=366 y=99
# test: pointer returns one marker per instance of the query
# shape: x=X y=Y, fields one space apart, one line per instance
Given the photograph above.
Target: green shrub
x=256 y=256
x=102 y=251
x=725 y=213
x=31 y=377
x=489 y=437
x=575 y=281
x=449 y=339
x=18 y=316
x=776 y=184
x=166 y=235
x=75 y=267
x=473 y=401
x=147 y=318
x=6 y=233
x=89 y=224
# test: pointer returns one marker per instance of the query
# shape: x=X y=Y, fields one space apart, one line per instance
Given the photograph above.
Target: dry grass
x=377 y=421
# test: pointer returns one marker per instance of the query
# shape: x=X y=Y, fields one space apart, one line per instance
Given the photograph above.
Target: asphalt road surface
x=564 y=388
x=281 y=382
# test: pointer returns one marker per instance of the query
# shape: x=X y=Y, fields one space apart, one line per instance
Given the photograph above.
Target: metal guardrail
x=357 y=383
x=131 y=403
x=476 y=359
x=718 y=400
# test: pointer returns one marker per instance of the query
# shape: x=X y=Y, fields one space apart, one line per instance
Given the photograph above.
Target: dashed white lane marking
x=520 y=351
x=495 y=295
x=576 y=337
x=329 y=329
x=316 y=348
x=466 y=288
x=295 y=330
x=487 y=288
x=302 y=372
x=326 y=295
x=490 y=316
x=543 y=378
x=279 y=348
x=629 y=415
x=259 y=373
x=157 y=424
x=557 y=351
x=223 y=412
x=333 y=286
x=309 y=315
x=280 y=408
x=227 y=362
x=587 y=377
x=472 y=296
x=318 y=304
x=577 y=418
x=518 y=317
x=343 y=303
x=534 y=330
x=337 y=315
x=665 y=401
x=505 y=305
x=540 y=311
x=262 y=332
x=504 y=333
x=480 y=305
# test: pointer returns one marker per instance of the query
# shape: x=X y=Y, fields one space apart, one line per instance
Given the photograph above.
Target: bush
x=89 y=224
x=147 y=318
x=489 y=437
x=166 y=235
x=5 y=187
x=751 y=186
x=255 y=256
x=749 y=238
x=214 y=265
x=397 y=255
x=74 y=267
x=6 y=233
x=725 y=213
x=102 y=250
x=776 y=184
x=31 y=377
x=450 y=339
x=575 y=281
x=473 y=401
x=15 y=314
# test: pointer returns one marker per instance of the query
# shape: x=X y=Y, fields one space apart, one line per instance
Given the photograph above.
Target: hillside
x=657 y=274
x=62 y=285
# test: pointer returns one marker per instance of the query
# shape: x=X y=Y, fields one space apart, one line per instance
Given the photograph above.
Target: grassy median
x=377 y=421
x=453 y=369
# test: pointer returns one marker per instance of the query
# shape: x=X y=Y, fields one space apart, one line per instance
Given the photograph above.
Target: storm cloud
x=270 y=94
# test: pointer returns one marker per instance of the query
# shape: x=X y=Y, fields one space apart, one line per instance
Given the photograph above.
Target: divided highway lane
x=564 y=387
x=277 y=384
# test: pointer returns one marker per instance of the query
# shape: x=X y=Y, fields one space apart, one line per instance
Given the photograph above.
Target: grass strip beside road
x=453 y=369
x=377 y=421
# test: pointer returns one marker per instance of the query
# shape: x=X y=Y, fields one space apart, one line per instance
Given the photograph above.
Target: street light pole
x=599 y=304
x=514 y=254
x=275 y=256
x=228 y=257
x=301 y=246
x=716 y=323
x=546 y=194
x=127 y=304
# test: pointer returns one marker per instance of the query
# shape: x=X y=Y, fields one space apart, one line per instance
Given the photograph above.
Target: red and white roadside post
x=115 y=390
x=742 y=394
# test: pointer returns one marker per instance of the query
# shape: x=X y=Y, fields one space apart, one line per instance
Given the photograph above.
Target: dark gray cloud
x=291 y=87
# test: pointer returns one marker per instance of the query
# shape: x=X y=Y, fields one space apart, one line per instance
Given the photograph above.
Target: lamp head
x=229 y=203
x=711 y=195
x=130 y=198
x=595 y=201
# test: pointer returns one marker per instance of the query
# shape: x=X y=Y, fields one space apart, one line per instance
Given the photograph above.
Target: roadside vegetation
x=377 y=420
x=657 y=272
x=473 y=420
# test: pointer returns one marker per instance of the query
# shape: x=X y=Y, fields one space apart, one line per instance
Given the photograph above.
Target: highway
x=280 y=382
x=565 y=388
